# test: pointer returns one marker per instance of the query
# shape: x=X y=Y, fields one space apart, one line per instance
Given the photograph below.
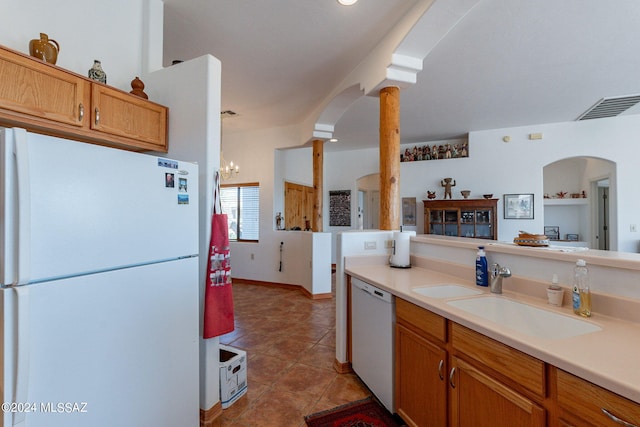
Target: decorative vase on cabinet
x=97 y=73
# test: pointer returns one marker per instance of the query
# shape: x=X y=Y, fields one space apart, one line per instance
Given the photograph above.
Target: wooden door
x=421 y=387
x=298 y=205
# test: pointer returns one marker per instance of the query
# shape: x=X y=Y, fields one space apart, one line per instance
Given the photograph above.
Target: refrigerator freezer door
x=113 y=349
x=85 y=208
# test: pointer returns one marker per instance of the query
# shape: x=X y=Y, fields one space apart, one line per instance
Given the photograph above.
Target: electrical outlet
x=253 y=257
x=370 y=245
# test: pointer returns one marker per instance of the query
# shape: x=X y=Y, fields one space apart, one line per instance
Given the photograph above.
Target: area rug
x=363 y=413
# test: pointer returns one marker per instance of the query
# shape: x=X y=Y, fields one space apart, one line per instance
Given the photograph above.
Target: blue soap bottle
x=482 y=273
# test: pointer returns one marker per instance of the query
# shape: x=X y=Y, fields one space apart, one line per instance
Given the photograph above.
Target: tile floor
x=290 y=345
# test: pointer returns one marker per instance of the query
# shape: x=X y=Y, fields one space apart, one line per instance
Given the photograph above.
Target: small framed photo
x=408 y=211
x=552 y=232
x=572 y=237
x=518 y=206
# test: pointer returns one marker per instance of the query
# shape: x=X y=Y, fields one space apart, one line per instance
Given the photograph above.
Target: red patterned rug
x=363 y=413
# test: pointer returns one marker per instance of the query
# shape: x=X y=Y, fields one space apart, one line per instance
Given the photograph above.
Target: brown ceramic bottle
x=44 y=48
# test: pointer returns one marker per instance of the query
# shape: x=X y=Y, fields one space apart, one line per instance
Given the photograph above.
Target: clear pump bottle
x=581 y=291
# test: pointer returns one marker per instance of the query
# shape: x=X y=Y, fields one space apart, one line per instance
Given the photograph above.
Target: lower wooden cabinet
x=421 y=386
x=585 y=404
x=449 y=375
x=478 y=400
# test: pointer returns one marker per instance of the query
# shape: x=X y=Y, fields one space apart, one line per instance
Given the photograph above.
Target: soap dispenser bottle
x=581 y=291
x=482 y=272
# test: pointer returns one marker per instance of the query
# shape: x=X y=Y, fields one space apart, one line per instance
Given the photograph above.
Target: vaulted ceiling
x=500 y=63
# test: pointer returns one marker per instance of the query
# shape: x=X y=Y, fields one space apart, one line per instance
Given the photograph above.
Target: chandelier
x=227 y=170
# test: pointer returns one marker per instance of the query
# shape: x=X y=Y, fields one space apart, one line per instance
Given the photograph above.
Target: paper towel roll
x=400 y=255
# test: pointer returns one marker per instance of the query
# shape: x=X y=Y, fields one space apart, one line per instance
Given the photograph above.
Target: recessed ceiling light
x=333 y=140
x=347 y=2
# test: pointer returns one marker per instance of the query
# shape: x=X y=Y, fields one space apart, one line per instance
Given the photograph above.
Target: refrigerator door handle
x=21 y=390
x=23 y=188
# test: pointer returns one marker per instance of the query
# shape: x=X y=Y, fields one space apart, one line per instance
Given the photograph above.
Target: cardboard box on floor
x=233 y=375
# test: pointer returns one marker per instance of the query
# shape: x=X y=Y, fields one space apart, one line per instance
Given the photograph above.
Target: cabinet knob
x=97 y=116
x=80 y=112
x=451 y=376
x=616 y=419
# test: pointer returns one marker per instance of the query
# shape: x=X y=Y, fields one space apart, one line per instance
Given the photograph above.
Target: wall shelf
x=566 y=202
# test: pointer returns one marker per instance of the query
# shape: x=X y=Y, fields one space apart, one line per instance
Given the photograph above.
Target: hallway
x=290 y=345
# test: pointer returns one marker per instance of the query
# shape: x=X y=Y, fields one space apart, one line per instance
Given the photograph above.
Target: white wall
x=493 y=166
x=260 y=161
x=110 y=31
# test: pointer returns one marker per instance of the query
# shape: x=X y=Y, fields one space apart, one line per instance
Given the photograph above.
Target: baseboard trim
x=342 y=368
x=304 y=291
x=208 y=416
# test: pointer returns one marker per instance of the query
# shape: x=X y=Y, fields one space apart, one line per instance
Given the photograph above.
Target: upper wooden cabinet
x=47 y=99
x=461 y=217
x=123 y=115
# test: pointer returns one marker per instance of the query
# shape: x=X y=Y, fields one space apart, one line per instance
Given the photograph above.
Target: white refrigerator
x=99 y=296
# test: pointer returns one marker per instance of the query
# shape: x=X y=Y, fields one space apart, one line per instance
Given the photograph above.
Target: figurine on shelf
x=279 y=219
x=584 y=194
x=446 y=183
x=431 y=194
x=561 y=194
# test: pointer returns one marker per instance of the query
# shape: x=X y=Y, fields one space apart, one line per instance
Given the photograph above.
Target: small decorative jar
x=97 y=73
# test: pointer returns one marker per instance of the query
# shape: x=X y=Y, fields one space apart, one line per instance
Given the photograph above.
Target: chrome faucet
x=497 y=273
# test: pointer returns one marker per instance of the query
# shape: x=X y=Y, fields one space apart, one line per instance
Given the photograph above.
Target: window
x=241 y=203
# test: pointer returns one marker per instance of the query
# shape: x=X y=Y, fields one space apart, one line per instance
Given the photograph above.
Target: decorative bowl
x=465 y=193
x=527 y=239
x=487 y=196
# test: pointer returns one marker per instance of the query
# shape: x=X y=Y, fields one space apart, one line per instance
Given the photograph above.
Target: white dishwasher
x=372 y=337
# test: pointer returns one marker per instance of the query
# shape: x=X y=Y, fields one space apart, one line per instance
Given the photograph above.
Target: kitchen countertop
x=608 y=358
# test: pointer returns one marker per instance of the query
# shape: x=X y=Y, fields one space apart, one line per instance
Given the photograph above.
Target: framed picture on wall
x=552 y=232
x=518 y=206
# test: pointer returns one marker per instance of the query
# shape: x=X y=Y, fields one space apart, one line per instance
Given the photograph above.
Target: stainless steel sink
x=446 y=290
x=525 y=318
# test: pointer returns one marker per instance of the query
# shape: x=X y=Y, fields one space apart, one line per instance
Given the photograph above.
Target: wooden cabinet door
x=123 y=115
x=478 y=400
x=420 y=383
x=38 y=91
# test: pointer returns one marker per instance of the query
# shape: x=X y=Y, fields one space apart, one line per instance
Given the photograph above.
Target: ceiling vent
x=227 y=114
x=610 y=107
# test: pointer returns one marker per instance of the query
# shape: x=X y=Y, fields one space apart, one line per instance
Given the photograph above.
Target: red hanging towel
x=218 y=296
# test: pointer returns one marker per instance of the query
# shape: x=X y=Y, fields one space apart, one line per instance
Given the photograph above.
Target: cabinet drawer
x=519 y=367
x=421 y=320
x=587 y=401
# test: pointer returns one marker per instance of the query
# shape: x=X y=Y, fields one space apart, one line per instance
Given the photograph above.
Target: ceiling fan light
x=347 y=2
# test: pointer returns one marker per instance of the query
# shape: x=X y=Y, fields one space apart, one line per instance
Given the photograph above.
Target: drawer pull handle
x=453 y=372
x=440 y=373
x=616 y=419
x=80 y=112
x=97 y=116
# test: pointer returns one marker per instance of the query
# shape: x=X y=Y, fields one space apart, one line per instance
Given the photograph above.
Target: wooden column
x=318 y=159
x=390 y=158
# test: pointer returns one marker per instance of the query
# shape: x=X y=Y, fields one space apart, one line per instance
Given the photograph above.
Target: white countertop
x=609 y=357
